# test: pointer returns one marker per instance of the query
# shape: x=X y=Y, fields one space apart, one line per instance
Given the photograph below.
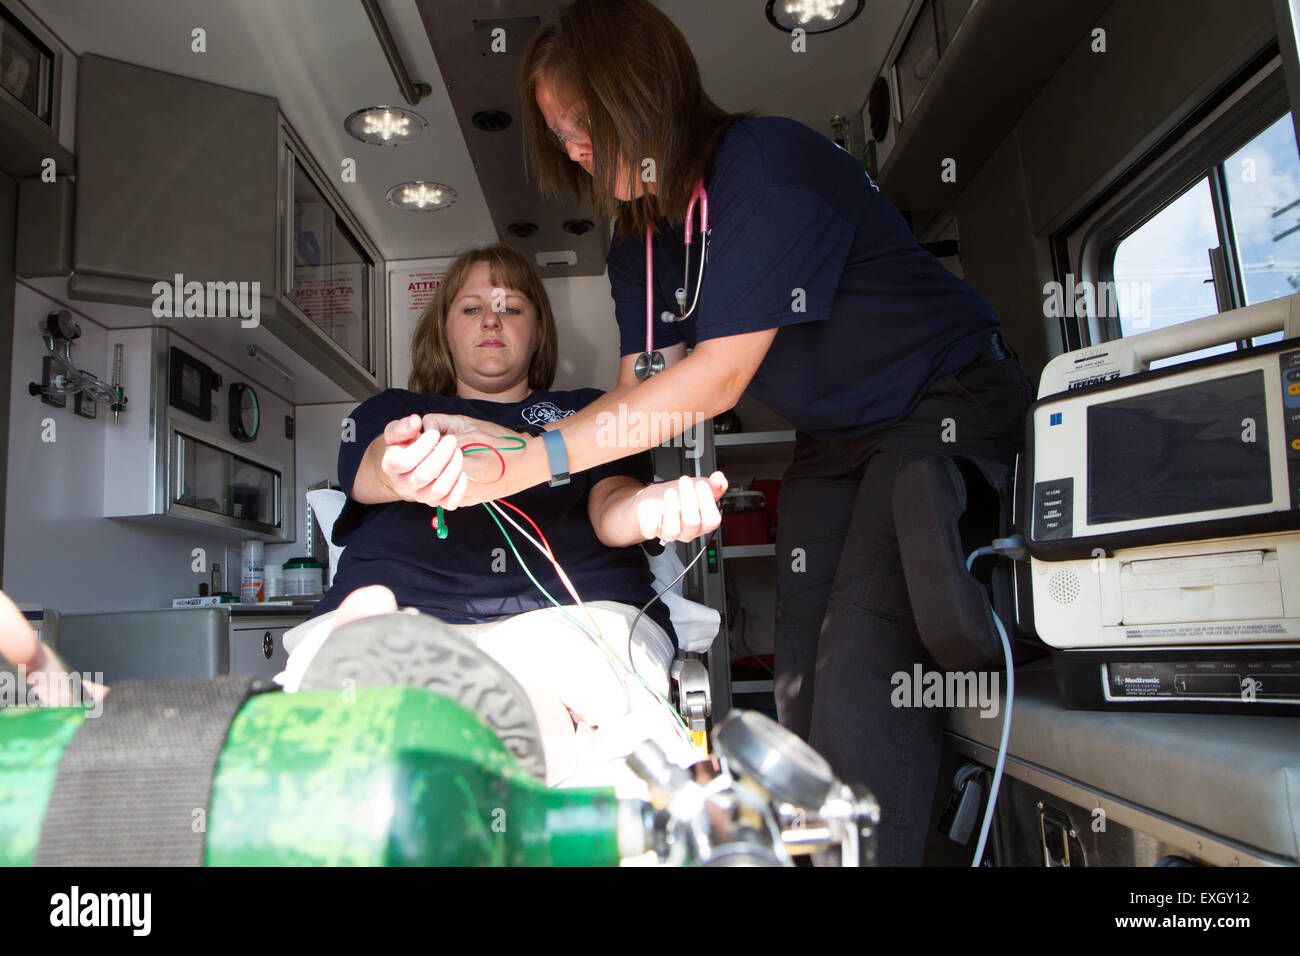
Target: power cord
x=636 y=620
x=1013 y=547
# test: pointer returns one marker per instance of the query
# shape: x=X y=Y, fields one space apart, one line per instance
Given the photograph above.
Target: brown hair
x=633 y=72
x=432 y=369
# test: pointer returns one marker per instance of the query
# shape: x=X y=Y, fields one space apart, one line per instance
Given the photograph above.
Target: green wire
x=631 y=670
x=442 y=533
x=442 y=518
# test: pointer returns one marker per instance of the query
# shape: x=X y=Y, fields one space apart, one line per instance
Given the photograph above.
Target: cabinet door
x=329 y=272
x=258 y=650
x=173 y=176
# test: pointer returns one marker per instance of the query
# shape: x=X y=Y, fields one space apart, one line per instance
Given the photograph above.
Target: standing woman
x=818 y=301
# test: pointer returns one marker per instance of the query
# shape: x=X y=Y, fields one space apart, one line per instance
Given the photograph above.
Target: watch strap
x=557 y=457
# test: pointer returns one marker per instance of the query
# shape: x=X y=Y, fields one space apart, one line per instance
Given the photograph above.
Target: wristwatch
x=557 y=457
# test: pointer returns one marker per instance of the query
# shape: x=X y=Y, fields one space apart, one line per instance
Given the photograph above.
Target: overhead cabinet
x=177 y=177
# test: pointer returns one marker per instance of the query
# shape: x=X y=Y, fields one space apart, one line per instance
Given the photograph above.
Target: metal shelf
x=749 y=551
x=753 y=438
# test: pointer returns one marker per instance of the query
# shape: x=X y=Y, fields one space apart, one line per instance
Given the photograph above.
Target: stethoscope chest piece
x=648 y=364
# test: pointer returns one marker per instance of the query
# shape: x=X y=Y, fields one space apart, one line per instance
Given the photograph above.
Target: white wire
x=564 y=578
x=598 y=638
x=704 y=251
x=1006 y=722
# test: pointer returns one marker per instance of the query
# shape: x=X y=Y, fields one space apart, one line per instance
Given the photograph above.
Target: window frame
x=1196 y=150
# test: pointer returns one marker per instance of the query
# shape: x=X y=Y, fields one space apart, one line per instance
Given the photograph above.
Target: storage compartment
x=181 y=465
x=212 y=482
x=272 y=229
x=1243 y=585
x=1129 y=789
x=257 y=649
x=184 y=642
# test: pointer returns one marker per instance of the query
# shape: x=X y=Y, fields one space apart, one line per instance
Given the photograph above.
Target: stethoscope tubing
x=651 y=361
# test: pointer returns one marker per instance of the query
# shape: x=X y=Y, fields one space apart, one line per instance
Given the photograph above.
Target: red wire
x=500 y=458
x=550 y=553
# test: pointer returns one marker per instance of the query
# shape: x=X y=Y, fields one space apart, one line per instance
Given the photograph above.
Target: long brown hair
x=639 y=86
x=432 y=369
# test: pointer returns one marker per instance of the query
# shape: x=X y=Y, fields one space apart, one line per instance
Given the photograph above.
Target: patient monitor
x=1161 y=509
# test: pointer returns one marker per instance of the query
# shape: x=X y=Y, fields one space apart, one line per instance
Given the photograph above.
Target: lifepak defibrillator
x=1161 y=510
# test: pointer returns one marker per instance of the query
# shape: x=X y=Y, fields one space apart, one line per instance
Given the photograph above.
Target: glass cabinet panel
x=211 y=479
x=331 y=278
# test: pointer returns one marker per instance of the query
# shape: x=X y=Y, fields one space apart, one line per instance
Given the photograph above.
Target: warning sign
x=412 y=284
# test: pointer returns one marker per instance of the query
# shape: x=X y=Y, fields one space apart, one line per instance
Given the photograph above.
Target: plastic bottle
x=251 y=574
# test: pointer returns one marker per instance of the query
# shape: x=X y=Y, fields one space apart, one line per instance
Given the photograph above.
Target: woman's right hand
x=422 y=465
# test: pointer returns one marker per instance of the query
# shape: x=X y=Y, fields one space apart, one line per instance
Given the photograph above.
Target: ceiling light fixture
x=385 y=125
x=812 y=16
x=421 y=196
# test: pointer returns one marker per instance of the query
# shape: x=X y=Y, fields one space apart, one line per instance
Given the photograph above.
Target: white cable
x=598 y=638
x=1006 y=721
x=564 y=578
x=704 y=251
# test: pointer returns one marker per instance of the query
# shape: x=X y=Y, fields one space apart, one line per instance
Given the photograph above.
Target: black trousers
x=844 y=619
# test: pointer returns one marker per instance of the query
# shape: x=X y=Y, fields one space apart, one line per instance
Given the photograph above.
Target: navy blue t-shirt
x=881 y=319
x=472 y=575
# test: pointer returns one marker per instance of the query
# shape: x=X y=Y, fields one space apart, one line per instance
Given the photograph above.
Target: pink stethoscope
x=651 y=361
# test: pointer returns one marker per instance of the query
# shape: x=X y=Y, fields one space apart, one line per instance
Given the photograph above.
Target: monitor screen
x=1179 y=451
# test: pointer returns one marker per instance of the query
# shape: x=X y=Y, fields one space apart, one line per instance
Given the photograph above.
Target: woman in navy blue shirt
x=819 y=302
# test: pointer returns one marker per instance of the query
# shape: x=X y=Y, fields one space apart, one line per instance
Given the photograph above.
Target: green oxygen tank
x=391 y=776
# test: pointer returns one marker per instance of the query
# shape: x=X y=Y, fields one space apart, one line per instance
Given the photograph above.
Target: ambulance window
x=1208 y=221
x=1263 y=188
x=1162 y=270
x=1163 y=274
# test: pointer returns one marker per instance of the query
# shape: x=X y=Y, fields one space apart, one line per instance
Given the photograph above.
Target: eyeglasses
x=578 y=137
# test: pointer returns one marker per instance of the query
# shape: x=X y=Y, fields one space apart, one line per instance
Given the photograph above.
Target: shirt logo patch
x=543 y=413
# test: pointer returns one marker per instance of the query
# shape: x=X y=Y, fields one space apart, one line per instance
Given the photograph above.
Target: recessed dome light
x=421 y=196
x=811 y=16
x=385 y=125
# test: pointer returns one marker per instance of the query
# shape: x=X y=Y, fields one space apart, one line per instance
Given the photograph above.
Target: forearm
x=371 y=486
x=616 y=525
x=626 y=421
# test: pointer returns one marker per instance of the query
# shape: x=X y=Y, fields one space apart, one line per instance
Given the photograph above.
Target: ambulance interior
x=1119 y=178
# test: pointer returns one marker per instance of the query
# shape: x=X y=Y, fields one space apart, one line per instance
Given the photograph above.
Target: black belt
x=997 y=350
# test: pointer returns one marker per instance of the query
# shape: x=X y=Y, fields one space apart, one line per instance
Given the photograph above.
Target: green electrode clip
x=440 y=522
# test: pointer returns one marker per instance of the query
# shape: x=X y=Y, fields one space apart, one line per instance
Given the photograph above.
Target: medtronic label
x=1203 y=680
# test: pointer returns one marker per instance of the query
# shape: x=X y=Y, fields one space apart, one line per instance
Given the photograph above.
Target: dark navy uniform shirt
x=804 y=242
x=472 y=575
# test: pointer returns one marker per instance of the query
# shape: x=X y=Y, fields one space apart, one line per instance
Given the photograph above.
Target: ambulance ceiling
x=321 y=60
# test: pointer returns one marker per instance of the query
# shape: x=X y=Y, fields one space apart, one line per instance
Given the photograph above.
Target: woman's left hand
x=680 y=510
x=484 y=469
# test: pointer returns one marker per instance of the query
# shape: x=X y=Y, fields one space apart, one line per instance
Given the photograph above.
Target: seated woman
x=486 y=347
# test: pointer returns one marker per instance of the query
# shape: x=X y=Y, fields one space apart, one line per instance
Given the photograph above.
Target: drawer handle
x=268 y=645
